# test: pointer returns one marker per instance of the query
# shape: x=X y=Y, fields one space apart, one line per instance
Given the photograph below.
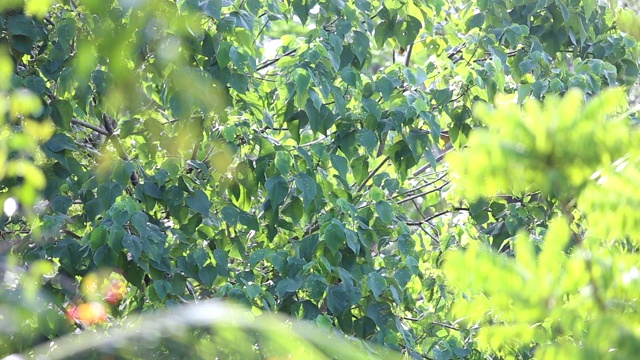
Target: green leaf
x=338 y=299
x=353 y=242
x=66 y=31
x=301 y=8
x=243 y=19
x=383 y=31
x=475 y=21
x=364 y=327
x=377 y=284
x=61 y=114
x=385 y=86
x=373 y=108
x=22 y=25
x=222 y=262
x=308 y=246
x=340 y=164
x=208 y=275
x=335 y=236
x=308 y=187
x=360 y=45
x=133 y=245
x=368 y=139
x=22 y=43
x=402 y=276
x=162 y=288
x=288 y=286
x=152 y=190
x=283 y=162
x=384 y=211
x=36 y=84
x=173 y=195
x=350 y=76
x=212 y=8
x=360 y=168
x=406 y=244
x=277 y=188
x=224 y=54
x=259 y=255
x=105 y=257
x=60 y=142
x=406 y=31
x=301 y=80
x=61 y=204
x=230 y=214
x=107 y=194
x=140 y=222
x=249 y=220
x=199 y=202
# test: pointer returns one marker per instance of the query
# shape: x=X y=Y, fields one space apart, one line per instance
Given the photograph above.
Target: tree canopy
x=428 y=179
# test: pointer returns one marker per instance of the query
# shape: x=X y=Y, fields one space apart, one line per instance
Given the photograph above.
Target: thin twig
x=268 y=63
x=372 y=173
x=439 y=158
x=89 y=126
x=408 y=58
x=115 y=140
x=426 y=221
x=412 y=197
x=419 y=187
x=261 y=30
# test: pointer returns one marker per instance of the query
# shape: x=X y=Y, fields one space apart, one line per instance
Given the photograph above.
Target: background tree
x=292 y=156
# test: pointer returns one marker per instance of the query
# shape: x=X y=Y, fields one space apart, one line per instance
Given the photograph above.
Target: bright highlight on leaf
x=553 y=147
x=38 y=8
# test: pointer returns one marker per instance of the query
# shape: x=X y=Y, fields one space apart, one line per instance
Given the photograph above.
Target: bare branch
x=372 y=173
x=89 y=126
x=268 y=63
x=415 y=196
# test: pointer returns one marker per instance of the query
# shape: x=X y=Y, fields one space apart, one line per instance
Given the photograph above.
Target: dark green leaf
x=62 y=113
x=364 y=327
x=133 y=245
x=360 y=45
x=335 y=236
x=212 y=8
x=107 y=194
x=199 y=202
x=308 y=187
x=338 y=299
x=377 y=284
x=475 y=21
x=384 y=211
x=208 y=275
x=60 y=142
x=222 y=262
x=406 y=31
x=340 y=164
x=277 y=188
x=162 y=288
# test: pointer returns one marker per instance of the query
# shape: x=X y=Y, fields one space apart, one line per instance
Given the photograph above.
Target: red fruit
x=115 y=292
x=87 y=313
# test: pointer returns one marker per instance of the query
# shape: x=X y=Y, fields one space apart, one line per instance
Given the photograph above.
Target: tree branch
x=89 y=126
x=426 y=220
x=439 y=158
x=372 y=173
x=419 y=187
x=118 y=145
x=268 y=63
x=415 y=196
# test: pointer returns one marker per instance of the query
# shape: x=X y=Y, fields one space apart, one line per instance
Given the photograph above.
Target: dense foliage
x=446 y=179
